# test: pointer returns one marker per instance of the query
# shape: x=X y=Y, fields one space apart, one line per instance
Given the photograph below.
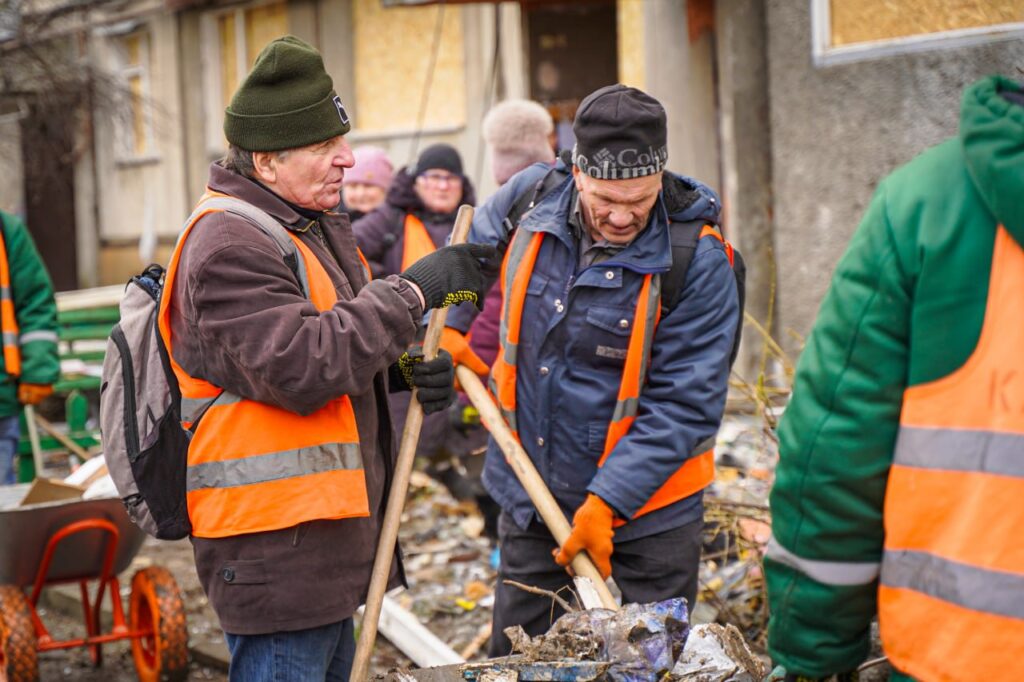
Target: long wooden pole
x=33 y=437
x=527 y=474
x=400 y=483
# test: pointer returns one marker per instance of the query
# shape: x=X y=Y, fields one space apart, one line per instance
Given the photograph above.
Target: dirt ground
x=445 y=555
x=75 y=664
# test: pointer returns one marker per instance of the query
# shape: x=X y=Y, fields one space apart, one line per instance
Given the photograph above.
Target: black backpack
x=683 y=234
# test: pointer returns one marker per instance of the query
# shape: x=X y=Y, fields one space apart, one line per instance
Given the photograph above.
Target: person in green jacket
x=906 y=307
x=28 y=317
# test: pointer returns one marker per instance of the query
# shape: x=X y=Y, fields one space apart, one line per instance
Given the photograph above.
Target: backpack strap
x=270 y=227
x=532 y=196
x=684 y=237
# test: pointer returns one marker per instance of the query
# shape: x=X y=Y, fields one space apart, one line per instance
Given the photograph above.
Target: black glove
x=433 y=379
x=454 y=274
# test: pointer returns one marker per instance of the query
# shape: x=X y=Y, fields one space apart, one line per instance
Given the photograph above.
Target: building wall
x=142 y=200
x=837 y=130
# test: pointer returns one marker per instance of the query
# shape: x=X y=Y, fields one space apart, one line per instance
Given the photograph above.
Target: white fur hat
x=517 y=131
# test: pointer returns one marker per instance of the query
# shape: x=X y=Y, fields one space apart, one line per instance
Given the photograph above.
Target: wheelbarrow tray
x=25 y=531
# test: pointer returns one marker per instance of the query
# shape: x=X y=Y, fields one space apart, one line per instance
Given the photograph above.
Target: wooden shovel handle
x=400 y=483
x=527 y=474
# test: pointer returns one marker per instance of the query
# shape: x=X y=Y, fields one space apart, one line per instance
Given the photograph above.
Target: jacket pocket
x=602 y=338
x=240 y=592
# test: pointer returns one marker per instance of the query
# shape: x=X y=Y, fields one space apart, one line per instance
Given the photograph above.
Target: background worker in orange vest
x=28 y=319
x=418 y=214
x=900 y=485
x=416 y=218
x=285 y=367
x=615 y=401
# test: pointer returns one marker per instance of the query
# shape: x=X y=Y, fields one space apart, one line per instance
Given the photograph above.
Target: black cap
x=621 y=133
x=443 y=156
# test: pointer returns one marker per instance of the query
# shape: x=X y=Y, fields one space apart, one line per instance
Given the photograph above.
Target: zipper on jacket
x=131 y=425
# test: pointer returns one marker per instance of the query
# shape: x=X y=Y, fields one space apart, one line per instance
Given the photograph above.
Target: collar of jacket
x=651 y=251
x=992 y=135
x=249 y=191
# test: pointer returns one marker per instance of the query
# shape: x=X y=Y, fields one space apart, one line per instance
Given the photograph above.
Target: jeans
x=10 y=431
x=647 y=569
x=323 y=653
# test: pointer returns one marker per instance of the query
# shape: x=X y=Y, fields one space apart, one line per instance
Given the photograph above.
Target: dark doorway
x=573 y=50
x=47 y=143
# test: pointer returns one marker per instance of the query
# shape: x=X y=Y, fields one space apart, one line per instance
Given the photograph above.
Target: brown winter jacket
x=239 y=321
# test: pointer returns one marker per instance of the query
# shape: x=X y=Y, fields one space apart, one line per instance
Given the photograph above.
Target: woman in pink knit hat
x=366 y=184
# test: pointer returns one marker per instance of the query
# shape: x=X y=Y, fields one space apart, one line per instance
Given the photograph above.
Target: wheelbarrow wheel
x=156 y=608
x=17 y=637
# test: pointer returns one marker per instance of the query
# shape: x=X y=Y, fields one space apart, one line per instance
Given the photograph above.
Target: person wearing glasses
x=415 y=220
x=418 y=214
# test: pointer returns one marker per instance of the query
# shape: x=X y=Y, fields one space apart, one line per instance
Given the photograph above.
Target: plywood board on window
x=859 y=21
x=392 y=55
x=630 y=20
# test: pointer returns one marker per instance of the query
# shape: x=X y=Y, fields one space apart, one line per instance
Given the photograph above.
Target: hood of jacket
x=402 y=196
x=992 y=135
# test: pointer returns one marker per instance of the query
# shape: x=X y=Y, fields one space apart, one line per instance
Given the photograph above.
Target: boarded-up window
x=240 y=36
x=850 y=29
x=394 y=49
x=133 y=118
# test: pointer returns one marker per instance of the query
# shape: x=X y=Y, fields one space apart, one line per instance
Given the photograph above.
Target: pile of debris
x=737 y=529
x=451 y=586
x=639 y=643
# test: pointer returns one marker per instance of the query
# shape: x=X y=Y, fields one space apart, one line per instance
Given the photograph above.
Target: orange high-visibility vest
x=254 y=467
x=416 y=242
x=951 y=593
x=697 y=472
x=8 y=319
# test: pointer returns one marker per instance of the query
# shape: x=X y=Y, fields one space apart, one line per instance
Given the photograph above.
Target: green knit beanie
x=286 y=101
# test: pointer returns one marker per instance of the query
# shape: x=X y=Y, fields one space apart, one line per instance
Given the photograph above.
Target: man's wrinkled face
x=439 y=190
x=310 y=176
x=616 y=210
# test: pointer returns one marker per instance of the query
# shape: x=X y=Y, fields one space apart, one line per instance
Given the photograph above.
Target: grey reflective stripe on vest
x=838 y=573
x=509 y=350
x=983 y=452
x=193 y=407
x=10 y=338
x=261 y=219
x=978 y=589
x=509 y=415
x=515 y=258
x=40 y=335
x=704 y=446
x=630 y=406
x=275 y=466
x=5 y=293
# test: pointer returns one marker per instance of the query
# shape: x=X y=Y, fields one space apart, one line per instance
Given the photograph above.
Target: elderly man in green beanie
x=287 y=362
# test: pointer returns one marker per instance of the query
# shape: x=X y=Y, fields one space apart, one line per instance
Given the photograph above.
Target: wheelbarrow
x=80 y=541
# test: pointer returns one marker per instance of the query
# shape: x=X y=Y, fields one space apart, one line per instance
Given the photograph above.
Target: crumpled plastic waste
x=641 y=641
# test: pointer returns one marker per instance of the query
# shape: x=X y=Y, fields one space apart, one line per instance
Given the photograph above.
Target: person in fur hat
x=519 y=133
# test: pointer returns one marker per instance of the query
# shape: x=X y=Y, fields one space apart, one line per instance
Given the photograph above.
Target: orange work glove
x=456 y=343
x=592 y=531
x=32 y=394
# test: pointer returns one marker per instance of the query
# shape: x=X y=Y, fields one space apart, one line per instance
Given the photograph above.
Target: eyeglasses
x=439 y=178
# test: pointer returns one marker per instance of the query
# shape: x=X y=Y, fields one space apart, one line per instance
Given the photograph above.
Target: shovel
x=400 y=484
x=594 y=595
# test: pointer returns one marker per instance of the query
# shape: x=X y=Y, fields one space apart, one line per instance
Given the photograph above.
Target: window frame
x=210 y=59
x=825 y=55
x=125 y=152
